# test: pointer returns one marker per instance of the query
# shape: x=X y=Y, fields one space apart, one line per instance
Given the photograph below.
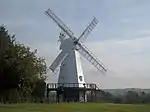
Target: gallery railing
x=80 y=85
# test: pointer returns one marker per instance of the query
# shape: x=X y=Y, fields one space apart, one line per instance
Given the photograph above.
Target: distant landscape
x=116 y=92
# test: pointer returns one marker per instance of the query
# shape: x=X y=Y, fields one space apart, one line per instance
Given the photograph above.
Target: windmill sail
x=88 y=30
x=52 y=15
x=91 y=58
x=77 y=45
x=58 y=61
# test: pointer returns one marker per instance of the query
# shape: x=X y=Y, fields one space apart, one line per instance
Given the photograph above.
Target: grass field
x=74 y=107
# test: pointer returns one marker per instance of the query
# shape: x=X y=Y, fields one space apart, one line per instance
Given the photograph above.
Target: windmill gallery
x=71 y=85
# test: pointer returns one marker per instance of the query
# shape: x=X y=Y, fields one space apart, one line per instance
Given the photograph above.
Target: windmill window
x=80 y=78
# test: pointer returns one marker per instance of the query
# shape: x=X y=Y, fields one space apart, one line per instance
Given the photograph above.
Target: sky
x=120 y=40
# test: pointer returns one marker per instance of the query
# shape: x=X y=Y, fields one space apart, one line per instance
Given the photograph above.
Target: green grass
x=74 y=107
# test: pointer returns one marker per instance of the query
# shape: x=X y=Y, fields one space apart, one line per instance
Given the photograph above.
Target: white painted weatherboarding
x=69 y=57
x=71 y=70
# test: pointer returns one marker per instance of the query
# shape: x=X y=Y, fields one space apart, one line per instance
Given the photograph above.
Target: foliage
x=39 y=90
x=20 y=68
x=131 y=97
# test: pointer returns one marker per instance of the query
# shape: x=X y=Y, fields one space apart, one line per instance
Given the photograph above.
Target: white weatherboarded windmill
x=69 y=58
x=71 y=78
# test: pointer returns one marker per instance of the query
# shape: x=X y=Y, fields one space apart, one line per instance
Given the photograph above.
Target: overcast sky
x=120 y=40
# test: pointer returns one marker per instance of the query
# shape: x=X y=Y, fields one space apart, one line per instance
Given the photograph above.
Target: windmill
x=69 y=58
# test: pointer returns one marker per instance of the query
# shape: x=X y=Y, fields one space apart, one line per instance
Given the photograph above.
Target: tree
x=39 y=90
x=131 y=97
x=20 y=68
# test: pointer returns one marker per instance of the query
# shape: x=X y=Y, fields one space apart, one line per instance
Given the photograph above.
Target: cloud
x=120 y=40
x=127 y=62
